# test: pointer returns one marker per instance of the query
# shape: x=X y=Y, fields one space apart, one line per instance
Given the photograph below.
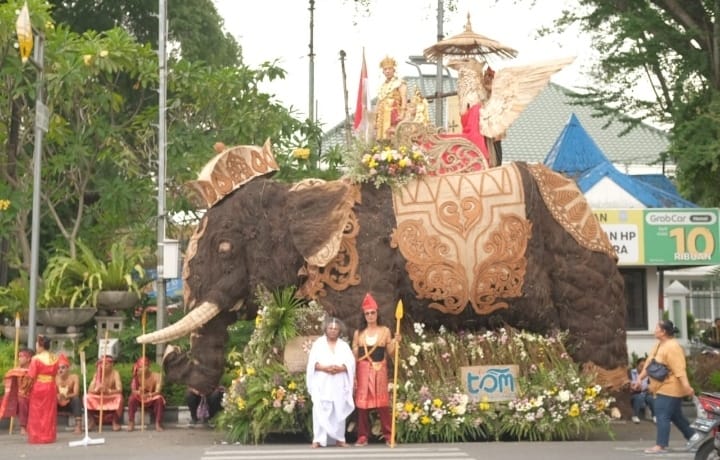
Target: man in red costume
x=145 y=389
x=105 y=393
x=42 y=411
x=372 y=343
x=17 y=390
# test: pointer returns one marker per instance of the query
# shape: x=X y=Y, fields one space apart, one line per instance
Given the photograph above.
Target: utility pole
x=439 y=73
x=311 y=93
x=26 y=34
x=348 y=137
x=161 y=314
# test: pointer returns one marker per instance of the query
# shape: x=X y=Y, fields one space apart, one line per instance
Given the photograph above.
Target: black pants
x=214 y=402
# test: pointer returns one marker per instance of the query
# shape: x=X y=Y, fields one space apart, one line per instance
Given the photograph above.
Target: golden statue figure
x=391 y=102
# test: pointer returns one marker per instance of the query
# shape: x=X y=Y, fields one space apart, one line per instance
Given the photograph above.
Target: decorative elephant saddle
x=464 y=238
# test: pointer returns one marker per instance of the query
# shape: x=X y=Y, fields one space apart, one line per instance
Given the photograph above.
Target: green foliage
x=194 y=25
x=76 y=281
x=7 y=356
x=15 y=298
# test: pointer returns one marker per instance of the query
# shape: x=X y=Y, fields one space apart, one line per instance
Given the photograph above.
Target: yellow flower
x=250 y=371
x=87 y=59
x=301 y=153
x=424 y=420
x=590 y=392
x=258 y=320
x=408 y=406
x=600 y=405
x=437 y=402
x=240 y=403
x=372 y=164
x=403 y=162
x=104 y=53
x=4 y=204
x=484 y=406
x=292 y=386
x=574 y=410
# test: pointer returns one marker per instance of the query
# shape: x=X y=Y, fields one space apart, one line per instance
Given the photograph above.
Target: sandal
x=361 y=442
x=341 y=444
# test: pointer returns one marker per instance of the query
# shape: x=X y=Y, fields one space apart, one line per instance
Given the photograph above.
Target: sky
x=270 y=30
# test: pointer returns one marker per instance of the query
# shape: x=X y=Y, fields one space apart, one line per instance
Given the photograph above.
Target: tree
x=100 y=153
x=674 y=49
x=194 y=24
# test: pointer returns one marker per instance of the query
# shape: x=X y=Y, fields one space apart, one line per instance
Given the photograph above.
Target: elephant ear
x=318 y=212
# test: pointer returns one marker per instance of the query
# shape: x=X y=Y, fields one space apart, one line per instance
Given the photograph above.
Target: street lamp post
x=25 y=33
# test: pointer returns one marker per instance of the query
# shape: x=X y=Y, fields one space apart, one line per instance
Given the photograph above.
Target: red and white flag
x=360 y=123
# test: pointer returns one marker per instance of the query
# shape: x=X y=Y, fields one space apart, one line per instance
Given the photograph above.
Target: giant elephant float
x=515 y=245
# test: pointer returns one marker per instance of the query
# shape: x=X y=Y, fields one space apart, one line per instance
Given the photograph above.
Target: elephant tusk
x=192 y=321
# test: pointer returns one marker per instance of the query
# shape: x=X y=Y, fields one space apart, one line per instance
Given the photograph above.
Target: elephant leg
x=202 y=366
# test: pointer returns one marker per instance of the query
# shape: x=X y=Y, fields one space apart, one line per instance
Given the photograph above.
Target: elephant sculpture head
x=513 y=245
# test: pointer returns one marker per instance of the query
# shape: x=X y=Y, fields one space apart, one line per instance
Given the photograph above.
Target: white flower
x=412 y=361
x=563 y=396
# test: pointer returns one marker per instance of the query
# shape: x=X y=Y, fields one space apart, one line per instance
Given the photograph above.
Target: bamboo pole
x=142 y=377
x=398 y=317
x=16 y=360
x=102 y=382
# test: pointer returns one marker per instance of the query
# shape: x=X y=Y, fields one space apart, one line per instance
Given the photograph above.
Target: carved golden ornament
x=230 y=169
x=341 y=272
x=191 y=251
x=570 y=209
x=464 y=238
x=453 y=155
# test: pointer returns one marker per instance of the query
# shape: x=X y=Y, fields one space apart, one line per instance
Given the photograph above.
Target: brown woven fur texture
x=252 y=237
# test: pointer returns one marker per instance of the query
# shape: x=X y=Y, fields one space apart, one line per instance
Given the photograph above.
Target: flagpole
x=398 y=317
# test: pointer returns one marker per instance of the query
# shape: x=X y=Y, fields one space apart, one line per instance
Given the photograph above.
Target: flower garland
x=385 y=164
x=554 y=399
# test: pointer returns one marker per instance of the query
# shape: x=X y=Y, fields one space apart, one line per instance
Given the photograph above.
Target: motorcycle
x=707 y=424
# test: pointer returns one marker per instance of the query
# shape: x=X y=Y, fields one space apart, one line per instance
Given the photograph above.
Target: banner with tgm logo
x=490 y=383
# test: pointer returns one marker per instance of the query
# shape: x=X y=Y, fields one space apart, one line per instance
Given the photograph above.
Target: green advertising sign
x=663 y=236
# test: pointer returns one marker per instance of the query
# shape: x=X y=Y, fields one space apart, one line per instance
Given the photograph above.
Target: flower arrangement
x=555 y=400
x=264 y=397
x=385 y=164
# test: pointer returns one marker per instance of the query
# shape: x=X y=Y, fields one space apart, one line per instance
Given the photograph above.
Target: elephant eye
x=225 y=247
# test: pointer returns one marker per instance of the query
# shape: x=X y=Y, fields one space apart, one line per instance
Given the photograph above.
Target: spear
x=143 y=321
x=398 y=317
x=16 y=361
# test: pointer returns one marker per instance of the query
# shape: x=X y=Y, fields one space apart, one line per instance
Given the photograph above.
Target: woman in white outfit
x=330 y=376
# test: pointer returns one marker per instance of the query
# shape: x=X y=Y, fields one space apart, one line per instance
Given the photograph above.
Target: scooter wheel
x=707 y=451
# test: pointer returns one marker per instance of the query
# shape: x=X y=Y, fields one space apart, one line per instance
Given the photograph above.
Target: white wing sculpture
x=511 y=90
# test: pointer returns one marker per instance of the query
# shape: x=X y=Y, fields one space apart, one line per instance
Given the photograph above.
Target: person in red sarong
x=105 y=392
x=371 y=345
x=15 y=401
x=42 y=411
x=145 y=388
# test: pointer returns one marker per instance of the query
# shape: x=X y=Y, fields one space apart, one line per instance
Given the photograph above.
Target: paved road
x=181 y=443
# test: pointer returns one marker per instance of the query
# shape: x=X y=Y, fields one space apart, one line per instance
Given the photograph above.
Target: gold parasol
x=468 y=43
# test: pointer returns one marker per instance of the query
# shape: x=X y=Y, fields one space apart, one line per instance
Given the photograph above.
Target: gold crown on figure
x=388 y=62
x=229 y=169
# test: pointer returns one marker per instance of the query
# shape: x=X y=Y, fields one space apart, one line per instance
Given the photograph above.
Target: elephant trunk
x=192 y=321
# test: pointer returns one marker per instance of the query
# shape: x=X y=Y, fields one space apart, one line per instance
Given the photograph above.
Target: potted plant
x=120 y=279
